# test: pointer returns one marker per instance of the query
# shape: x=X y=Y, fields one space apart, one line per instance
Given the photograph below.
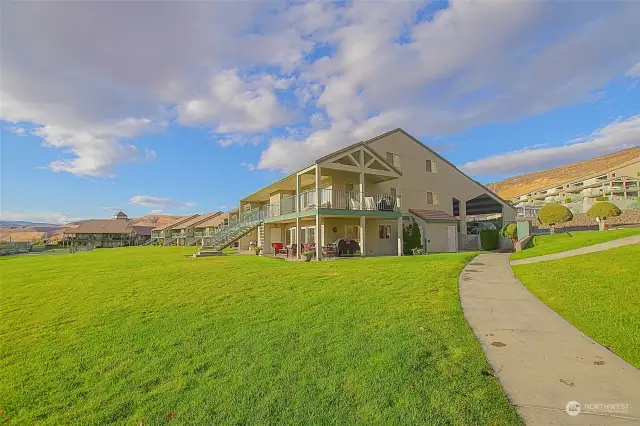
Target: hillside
x=55 y=233
x=518 y=185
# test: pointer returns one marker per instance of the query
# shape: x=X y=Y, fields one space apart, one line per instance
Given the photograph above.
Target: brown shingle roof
x=433 y=215
x=103 y=226
x=143 y=230
x=175 y=222
x=215 y=220
x=197 y=220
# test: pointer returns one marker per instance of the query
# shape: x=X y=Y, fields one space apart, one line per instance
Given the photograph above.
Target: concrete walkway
x=627 y=241
x=542 y=361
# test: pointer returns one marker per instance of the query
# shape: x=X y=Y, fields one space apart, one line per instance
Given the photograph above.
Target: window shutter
x=434 y=167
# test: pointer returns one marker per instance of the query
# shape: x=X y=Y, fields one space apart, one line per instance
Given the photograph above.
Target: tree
x=601 y=211
x=411 y=237
x=554 y=214
x=510 y=231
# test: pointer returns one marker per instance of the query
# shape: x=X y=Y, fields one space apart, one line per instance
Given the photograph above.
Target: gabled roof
x=416 y=140
x=175 y=223
x=197 y=220
x=355 y=145
x=103 y=226
x=215 y=220
x=433 y=215
x=143 y=230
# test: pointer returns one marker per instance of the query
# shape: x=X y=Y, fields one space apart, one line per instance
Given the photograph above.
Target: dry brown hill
x=519 y=185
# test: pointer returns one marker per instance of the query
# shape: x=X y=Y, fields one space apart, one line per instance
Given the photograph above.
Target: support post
x=318 y=233
x=297 y=201
x=463 y=217
x=400 y=236
x=362 y=189
x=362 y=237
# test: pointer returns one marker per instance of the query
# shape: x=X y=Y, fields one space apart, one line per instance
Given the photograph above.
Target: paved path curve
x=542 y=361
x=627 y=241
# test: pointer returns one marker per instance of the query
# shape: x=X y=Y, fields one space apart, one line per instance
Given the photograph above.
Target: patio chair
x=278 y=248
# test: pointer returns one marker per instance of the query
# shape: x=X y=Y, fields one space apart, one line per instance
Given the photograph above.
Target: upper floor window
x=432 y=166
x=393 y=159
x=432 y=198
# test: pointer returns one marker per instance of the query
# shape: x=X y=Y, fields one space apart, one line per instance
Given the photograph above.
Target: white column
x=400 y=236
x=318 y=230
x=362 y=236
x=362 y=190
x=297 y=201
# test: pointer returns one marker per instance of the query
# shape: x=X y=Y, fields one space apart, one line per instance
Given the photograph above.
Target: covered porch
x=341 y=191
x=373 y=235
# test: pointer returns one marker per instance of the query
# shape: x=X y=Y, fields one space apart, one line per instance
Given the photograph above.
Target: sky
x=183 y=106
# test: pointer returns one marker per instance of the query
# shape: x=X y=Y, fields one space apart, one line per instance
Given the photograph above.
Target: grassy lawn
x=548 y=244
x=127 y=336
x=597 y=292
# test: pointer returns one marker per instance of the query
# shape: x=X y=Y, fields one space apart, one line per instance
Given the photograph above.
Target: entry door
x=452 y=238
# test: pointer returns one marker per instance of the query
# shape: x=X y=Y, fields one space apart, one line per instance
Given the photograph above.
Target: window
x=432 y=198
x=393 y=192
x=384 y=232
x=393 y=159
x=432 y=166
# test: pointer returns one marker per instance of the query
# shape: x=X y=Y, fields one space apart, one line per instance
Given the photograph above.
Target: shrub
x=602 y=198
x=510 y=231
x=411 y=238
x=602 y=211
x=553 y=214
x=489 y=239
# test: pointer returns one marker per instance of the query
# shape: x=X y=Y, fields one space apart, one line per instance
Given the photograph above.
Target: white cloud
x=42 y=217
x=158 y=203
x=634 y=71
x=250 y=167
x=242 y=68
x=96 y=149
x=65 y=68
x=474 y=63
x=613 y=137
x=238 y=104
x=156 y=211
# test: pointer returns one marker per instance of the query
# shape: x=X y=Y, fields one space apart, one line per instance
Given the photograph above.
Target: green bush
x=411 y=238
x=602 y=198
x=510 y=231
x=553 y=214
x=603 y=210
x=489 y=239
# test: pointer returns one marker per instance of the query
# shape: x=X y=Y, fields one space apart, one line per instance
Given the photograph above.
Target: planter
x=308 y=257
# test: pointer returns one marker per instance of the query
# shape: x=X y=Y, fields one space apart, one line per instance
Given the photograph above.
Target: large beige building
x=619 y=184
x=366 y=192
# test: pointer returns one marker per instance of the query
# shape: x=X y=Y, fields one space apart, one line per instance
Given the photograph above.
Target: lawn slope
x=597 y=292
x=541 y=245
x=140 y=334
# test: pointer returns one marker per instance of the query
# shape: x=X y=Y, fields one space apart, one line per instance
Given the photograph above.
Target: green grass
x=549 y=244
x=597 y=293
x=130 y=335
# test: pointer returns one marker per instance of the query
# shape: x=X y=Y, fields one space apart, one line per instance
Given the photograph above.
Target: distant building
x=117 y=232
x=619 y=184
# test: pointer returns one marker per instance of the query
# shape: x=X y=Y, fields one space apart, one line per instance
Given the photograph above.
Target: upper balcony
x=353 y=181
x=330 y=201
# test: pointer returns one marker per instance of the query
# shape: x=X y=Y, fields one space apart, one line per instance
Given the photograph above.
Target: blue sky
x=209 y=101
